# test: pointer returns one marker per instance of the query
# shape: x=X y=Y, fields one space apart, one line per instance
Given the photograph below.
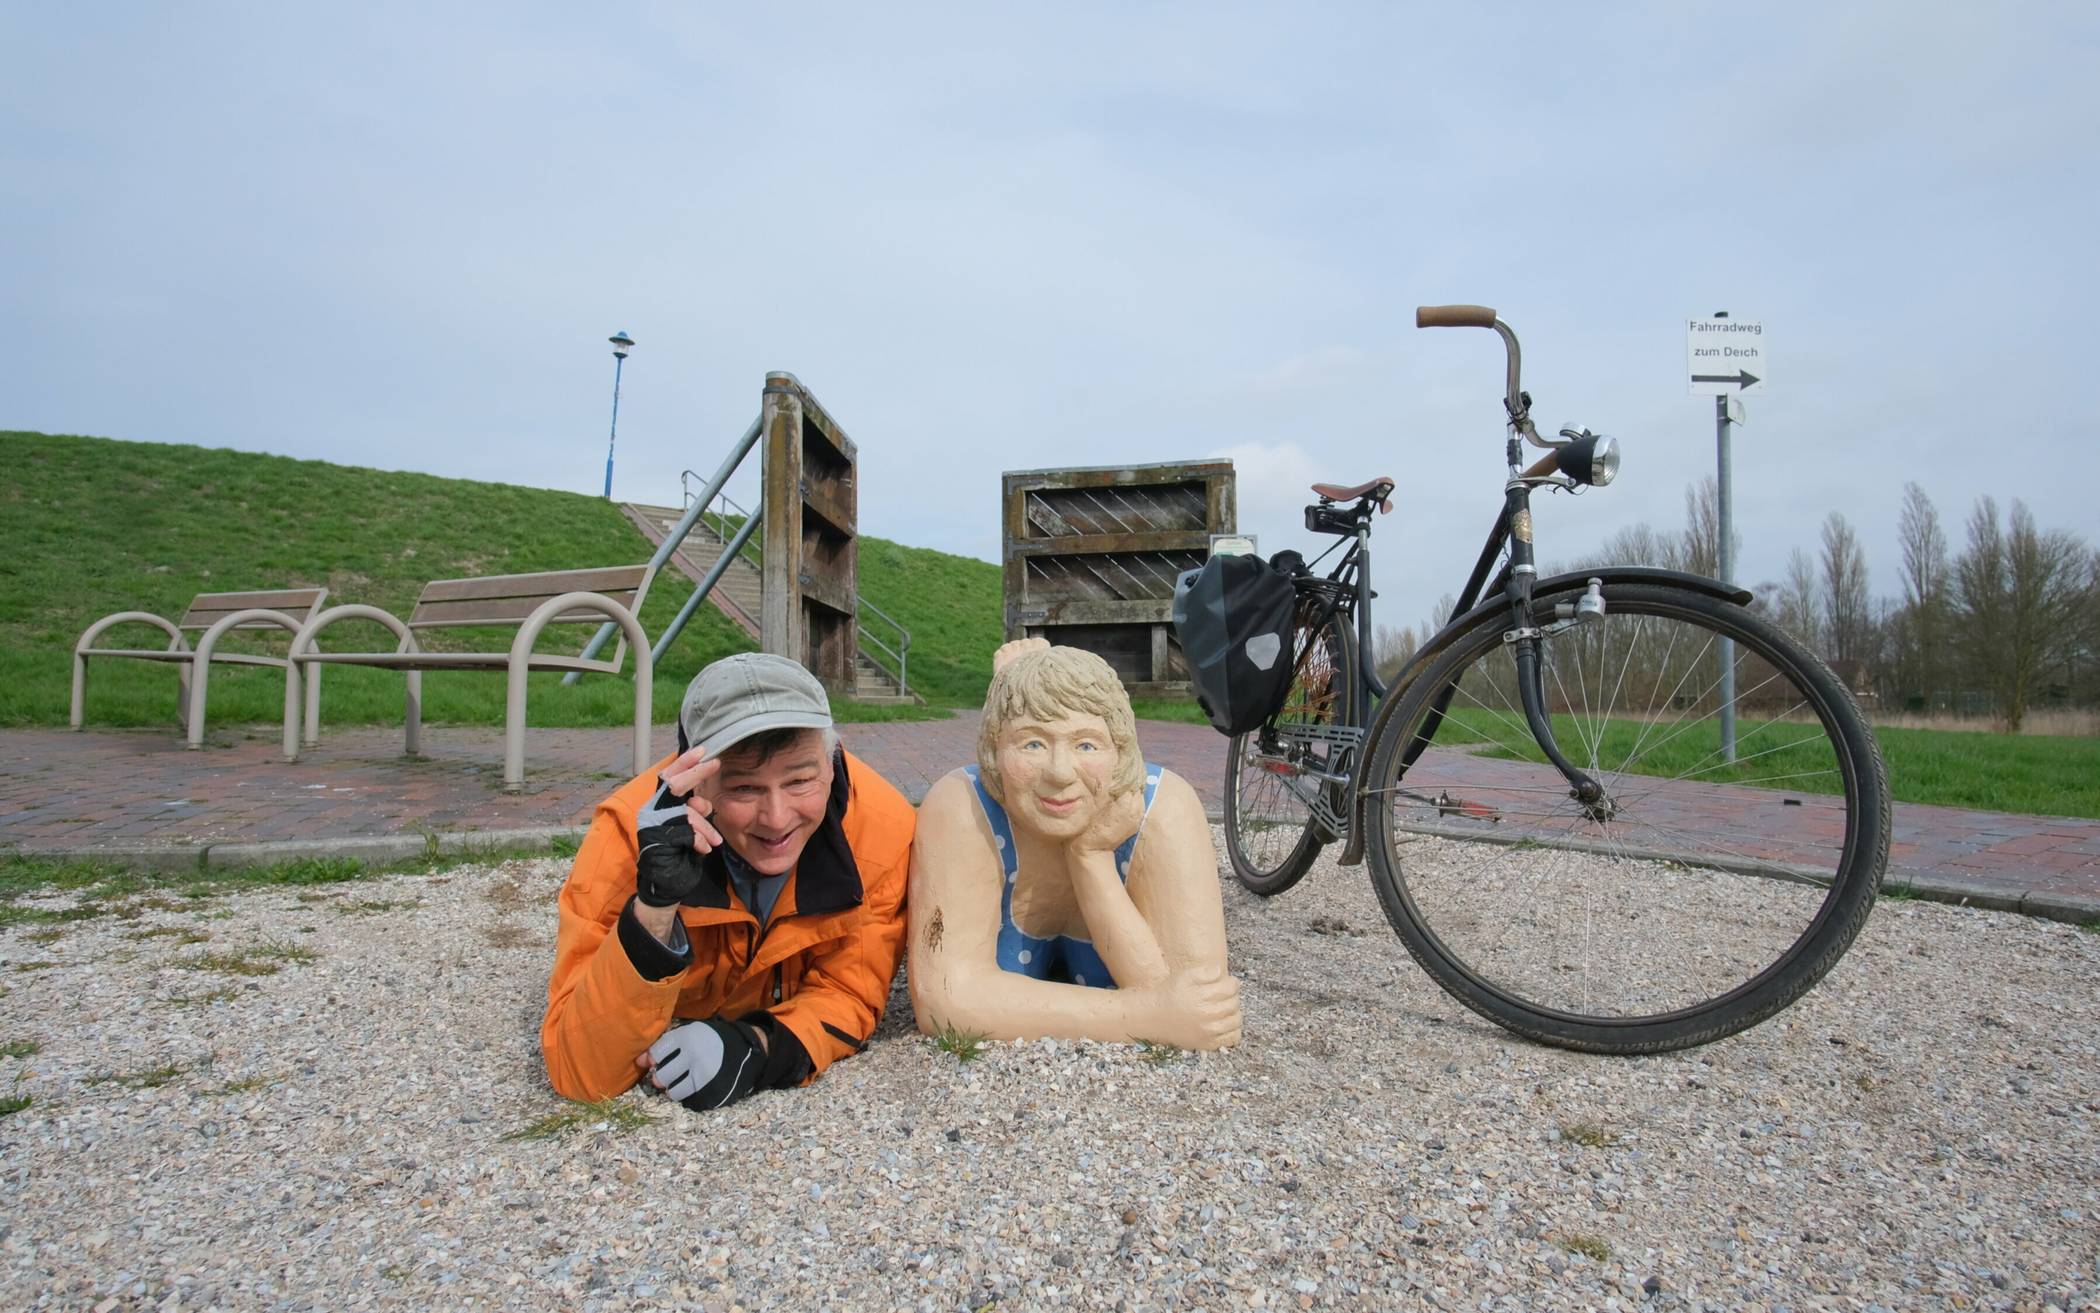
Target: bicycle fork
x=1527 y=638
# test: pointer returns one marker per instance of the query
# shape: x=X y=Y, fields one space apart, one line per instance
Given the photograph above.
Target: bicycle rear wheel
x=1274 y=790
x=1699 y=896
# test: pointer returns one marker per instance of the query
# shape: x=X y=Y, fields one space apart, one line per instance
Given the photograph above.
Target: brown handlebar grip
x=1454 y=316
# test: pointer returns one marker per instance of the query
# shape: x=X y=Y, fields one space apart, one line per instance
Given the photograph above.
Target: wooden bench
x=216 y=614
x=529 y=601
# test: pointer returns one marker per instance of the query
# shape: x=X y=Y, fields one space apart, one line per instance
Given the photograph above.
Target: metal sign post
x=1725 y=358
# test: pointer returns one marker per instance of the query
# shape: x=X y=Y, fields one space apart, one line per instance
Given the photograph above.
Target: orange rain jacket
x=822 y=967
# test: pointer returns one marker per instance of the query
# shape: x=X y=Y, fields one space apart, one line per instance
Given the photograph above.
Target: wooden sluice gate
x=1091 y=556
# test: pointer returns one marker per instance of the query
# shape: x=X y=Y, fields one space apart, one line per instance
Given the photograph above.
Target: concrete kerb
x=375 y=849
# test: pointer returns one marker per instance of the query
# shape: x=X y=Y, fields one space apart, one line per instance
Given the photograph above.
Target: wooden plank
x=502 y=611
x=1104 y=476
x=1013 y=568
x=780 y=607
x=1180 y=540
x=831 y=507
x=1143 y=611
x=202 y=620
x=282 y=599
x=830 y=590
x=543 y=585
x=457 y=661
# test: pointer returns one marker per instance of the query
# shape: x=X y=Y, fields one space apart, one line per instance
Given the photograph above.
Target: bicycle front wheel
x=1278 y=779
x=1706 y=890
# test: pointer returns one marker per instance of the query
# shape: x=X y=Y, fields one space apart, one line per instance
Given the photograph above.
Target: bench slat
x=455 y=661
x=208 y=607
x=503 y=610
x=541 y=586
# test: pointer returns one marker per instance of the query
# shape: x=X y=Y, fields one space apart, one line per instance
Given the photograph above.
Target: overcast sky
x=398 y=236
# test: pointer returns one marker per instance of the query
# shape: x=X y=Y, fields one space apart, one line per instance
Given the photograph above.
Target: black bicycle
x=1615 y=810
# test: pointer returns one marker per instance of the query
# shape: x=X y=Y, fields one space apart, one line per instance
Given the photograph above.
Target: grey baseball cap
x=747 y=694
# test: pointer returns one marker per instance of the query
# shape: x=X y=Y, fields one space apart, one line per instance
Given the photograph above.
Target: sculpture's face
x=768 y=810
x=1056 y=773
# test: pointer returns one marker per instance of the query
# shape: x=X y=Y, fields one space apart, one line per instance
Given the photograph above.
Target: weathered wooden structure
x=1091 y=556
x=809 y=600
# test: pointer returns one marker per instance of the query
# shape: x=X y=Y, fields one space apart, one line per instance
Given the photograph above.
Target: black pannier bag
x=1233 y=618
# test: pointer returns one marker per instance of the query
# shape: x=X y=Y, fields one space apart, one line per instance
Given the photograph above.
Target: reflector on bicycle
x=1233 y=618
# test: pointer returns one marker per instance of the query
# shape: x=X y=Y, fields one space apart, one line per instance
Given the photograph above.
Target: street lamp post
x=621 y=345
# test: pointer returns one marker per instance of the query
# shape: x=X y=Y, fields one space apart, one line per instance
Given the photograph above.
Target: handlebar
x=1454 y=316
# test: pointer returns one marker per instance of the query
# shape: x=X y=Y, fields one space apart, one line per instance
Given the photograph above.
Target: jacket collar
x=826 y=877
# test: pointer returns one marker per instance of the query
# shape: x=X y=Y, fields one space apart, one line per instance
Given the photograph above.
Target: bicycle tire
x=1728 y=871
x=1271 y=835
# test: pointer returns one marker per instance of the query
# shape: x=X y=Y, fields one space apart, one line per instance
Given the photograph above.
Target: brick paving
x=134 y=793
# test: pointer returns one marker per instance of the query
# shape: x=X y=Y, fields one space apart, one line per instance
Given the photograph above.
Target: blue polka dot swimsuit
x=1060 y=958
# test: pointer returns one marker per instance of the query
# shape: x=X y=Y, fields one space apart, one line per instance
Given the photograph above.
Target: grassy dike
x=95 y=526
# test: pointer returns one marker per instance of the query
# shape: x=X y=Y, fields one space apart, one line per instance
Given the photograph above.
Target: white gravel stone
x=1921 y=1131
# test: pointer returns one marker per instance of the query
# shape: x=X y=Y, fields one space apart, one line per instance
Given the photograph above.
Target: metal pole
x=1727 y=563
x=714 y=576
x=674 y=539
x=618 y=362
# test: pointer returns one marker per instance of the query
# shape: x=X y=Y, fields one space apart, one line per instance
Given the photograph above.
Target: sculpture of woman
x=1061 y=886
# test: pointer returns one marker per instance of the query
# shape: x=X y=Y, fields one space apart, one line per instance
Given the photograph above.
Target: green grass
x=108 y=889
x=1590 y=1135
x=619 y=1115
x=10 y=1104
x=966 y=1045
x=151 y=1078
x=1158 y=1054
x=1589 y=1246
x=2034 y=774
x=264 y=961
x=97 y=526
x=20 y=1048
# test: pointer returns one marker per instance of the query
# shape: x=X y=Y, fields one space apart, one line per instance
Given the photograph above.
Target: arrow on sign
x=1743 y=378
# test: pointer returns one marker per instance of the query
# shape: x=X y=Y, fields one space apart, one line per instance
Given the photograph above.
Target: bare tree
x=1700 y=552
x=1924 y=619
x=1799 y=605
x=2019 y=590
x=1847 y=607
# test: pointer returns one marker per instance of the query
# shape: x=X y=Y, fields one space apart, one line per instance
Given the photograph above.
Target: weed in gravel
x=135 y=908
x=966 y=1045
x=374 y=906
x=247 y=1086
x=1158 y=1054
x=1590 y=1135
x=45 y=936
x=507 y=893
x=564 y=845
x=37 y=965
x=179 y=933
x=506 y=934
x=606 y=1115
x=10 y=1104
x=263 y=961
x=1583 y=1243
x=10 y=914
x=151 y=1078
x=205 y=999
x=19 y=1048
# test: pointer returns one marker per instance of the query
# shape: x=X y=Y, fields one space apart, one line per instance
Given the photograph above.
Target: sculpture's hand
x=1019 y=647
x=1197 y=1008
x=1114 y=823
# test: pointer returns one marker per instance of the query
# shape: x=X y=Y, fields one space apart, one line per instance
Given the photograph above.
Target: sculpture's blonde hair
x=1050 y=684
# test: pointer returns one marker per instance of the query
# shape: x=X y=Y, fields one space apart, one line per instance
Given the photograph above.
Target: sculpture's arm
x=1119 y=930
x=1174 y=880
x=954 y=970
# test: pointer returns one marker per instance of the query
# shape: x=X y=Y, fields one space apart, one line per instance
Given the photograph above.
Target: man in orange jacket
x=735 y=916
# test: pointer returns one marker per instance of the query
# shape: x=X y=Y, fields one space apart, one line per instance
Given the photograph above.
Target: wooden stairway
x=737 y=593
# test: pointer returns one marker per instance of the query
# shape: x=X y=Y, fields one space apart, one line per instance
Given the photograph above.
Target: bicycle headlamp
x=1591 y=458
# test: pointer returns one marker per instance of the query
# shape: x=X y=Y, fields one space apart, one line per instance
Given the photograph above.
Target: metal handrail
x=671 y=543
x=742 y=543
x=901 y=654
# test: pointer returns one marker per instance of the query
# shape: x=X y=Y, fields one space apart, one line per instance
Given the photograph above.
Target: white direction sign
x=1726 y=357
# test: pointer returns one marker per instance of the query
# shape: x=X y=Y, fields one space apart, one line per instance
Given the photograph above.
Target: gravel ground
x=347 y=1129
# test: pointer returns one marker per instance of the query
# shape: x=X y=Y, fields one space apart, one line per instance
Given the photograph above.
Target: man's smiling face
x=767 y=809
